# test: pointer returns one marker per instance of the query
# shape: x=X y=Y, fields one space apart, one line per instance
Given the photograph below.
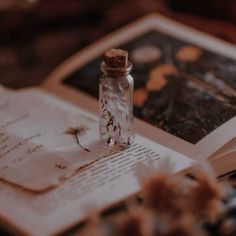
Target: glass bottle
x=116 y=106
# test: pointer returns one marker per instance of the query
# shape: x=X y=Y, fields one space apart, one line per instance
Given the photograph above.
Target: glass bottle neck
x=116 y=72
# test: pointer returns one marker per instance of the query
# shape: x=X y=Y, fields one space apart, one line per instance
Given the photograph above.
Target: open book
x=69 y=176
x=185 y=89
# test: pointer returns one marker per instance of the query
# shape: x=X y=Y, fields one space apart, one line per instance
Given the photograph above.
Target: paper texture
x=32 y=137
x=96 y=186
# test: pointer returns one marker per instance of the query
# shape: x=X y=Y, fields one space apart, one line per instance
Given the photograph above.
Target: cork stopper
x=116 y=58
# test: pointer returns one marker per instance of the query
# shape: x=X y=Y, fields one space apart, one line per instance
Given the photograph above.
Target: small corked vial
x=116 y=99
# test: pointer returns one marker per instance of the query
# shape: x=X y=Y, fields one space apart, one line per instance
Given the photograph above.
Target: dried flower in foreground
x=184 y=226
x=175 y=206
x=162 y=193
x=206 y=197
x=137 y=222
x=227 y=228
x=94 y=226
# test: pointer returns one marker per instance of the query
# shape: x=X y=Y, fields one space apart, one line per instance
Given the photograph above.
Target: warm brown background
x=36 y=37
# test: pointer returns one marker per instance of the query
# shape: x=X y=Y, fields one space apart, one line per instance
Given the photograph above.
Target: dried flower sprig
x=184 y=226
x=76 y=132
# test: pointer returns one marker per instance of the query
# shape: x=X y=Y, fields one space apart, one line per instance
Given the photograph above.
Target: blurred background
x=37 y=35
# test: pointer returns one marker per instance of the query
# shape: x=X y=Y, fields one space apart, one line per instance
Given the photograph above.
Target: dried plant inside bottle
x=116 y=99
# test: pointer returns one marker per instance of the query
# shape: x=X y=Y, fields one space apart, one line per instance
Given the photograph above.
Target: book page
x=33 y=136
x=224 y=160
x=96 y=186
